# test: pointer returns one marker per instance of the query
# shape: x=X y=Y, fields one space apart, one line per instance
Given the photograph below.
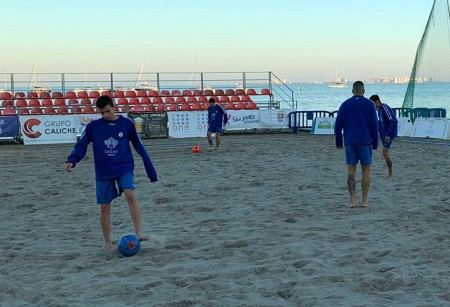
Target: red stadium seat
x=73 y=101
x=24 y=111
x=196 y=106
x=157 y=100
x=122 y=101
x=185 y=107
x=21 y=103
x=94 y=94
x=224 y=99
x=88 y=110
x=49 y=111
x=47 y=102
x=71 y=95
x=82 y=94
x=265 y=91
x=18 y=95
x=162 y=107
x=164 y=93
x=62 y=110
x=198 y=93
x=9 y=111
x=130 y=94
x=137 y=108
x=149 y=108
x=192 y=99
x=202 y=99
x=252 y=106
x=34 y=102
x=32 y=95
x=76 y=109
x=7 y=103
x=229 y=92
x=187 y=93
x=36 y=110
x=176 y=93
x=240 y=92
x=170 y=100
x=219 y=92
x=44 y=95
x=146 y=100
x=119 y=94
x=6 y=96
x=141 y=93
x=209 y=92
x=241 y=106
x=230 y=106
x=251 y=91
x=235 y=98
x=173 y=107
x=57 y=95
x=86 y=101
x=181 y=99
x=246 y=98
x=134 y=100
x=106 y=93
x=153 y=93
x=60 y=102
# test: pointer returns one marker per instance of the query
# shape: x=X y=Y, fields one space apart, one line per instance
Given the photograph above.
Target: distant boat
x=338 y=82
x=141 y=80
x=35 y=85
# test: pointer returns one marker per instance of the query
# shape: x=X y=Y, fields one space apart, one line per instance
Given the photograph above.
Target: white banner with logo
x=48 y=129
x=187 y=124
x=430 y=127
x=323 y=125
x=272 y=119
x=243 y=119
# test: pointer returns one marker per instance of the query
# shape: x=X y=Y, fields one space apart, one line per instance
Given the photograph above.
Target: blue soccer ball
x=129 y=245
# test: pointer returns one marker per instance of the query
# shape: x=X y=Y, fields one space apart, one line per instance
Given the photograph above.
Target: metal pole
x=63 y=84
x=201 y=80
x=244 y=81
x=157 y=81
x=12 y=84
x=112 y=83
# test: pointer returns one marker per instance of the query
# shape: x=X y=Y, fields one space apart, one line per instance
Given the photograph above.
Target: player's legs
x=105 y=223
x=388 y=160
x=365 y=184
x=351 y=184
x=217 y=139
x=210 y=141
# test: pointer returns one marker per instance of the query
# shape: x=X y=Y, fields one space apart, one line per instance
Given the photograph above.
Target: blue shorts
x=107 y=190
x=383 y=141
x=358 y=152
x=215 y=129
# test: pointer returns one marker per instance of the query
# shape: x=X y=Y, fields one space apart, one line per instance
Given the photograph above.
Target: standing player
x=217 y=119
x=357 y=118
x=113 y=160
x=387 y=127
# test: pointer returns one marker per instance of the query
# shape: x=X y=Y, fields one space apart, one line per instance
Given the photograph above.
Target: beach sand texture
x=265 y=221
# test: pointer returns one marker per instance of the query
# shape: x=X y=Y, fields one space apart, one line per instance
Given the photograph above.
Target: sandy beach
x=265 y=221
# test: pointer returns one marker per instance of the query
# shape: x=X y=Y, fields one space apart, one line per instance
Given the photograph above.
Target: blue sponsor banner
x=9 y=126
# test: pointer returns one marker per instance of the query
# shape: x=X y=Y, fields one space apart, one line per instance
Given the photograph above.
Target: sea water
x=310 y=97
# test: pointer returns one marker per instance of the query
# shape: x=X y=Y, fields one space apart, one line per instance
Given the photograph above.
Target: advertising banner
x=323 y=125
x=9 y=126
x=243 y=119
x=48 y=129
x=188 y=124
x=272 y=119
x=150 y=125
x=430 y=127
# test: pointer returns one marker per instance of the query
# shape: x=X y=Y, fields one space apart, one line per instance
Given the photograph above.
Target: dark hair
x=104 y=101
x=358 y=87
x=211 y=100
x=375 y=98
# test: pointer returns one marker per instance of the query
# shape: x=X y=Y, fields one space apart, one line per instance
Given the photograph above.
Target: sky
x=298 y=40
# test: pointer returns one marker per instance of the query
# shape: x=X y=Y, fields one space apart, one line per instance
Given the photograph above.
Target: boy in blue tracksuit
x=357 y=118
x=217 y=118
x=387 y=127
x=114 y=164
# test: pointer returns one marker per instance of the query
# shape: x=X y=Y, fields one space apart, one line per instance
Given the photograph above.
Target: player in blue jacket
x=387 y=127
x=114 y=164
x=217 y=119
x=357 y=118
